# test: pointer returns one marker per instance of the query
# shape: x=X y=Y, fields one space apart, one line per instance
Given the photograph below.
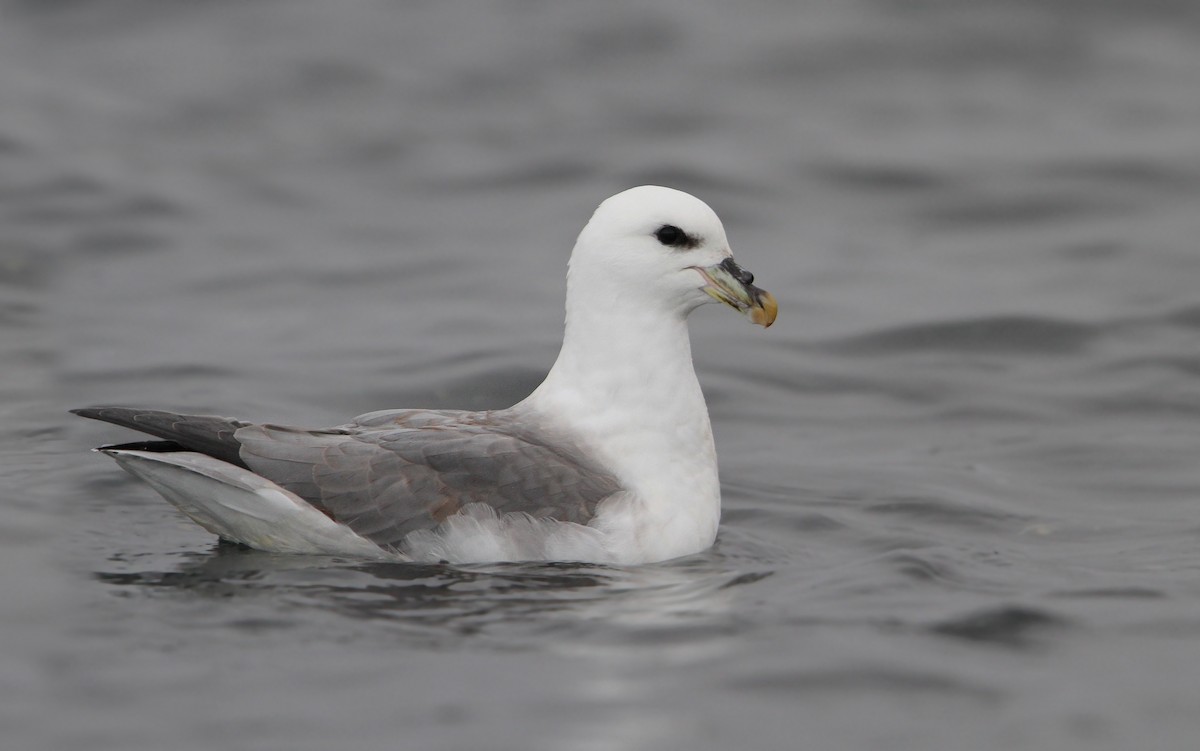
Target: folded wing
x=388 y=474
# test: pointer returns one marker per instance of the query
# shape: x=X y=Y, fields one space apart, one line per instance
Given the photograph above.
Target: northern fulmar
x=609 y=460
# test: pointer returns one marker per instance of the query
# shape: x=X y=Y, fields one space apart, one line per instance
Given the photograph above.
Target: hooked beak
x=731 y=284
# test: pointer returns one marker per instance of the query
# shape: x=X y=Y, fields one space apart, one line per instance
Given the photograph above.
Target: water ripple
x=881 y=178
x=1188 y=316
x=1008 y=211
x=1009 y=625
x=1012 y=334
x=502 y=604
x=857 y=680
x=926 y=510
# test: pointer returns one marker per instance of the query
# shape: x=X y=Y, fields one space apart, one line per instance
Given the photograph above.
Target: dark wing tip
x=158 y=447
x=206 y=434
x=97 y=412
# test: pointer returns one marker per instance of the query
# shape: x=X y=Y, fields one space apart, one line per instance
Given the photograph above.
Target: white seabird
x=609 y=460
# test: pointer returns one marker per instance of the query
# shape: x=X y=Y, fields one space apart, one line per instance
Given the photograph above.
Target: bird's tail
x=238 y=505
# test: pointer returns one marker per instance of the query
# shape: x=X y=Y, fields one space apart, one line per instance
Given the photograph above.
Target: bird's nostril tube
x=737 y=272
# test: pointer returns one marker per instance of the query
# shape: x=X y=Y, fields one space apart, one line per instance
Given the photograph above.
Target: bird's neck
x=624 y=361
x=624 y=385
x=620 y=351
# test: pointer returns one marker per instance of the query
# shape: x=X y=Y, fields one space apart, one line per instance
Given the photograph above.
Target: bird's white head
x=657 y=247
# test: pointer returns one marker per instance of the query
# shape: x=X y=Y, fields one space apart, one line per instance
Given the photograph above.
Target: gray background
x=961 y=474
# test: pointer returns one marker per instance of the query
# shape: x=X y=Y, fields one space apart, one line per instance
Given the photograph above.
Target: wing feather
x=390 y=474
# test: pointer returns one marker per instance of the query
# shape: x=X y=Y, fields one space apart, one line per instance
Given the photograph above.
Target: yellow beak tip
x=765 y=311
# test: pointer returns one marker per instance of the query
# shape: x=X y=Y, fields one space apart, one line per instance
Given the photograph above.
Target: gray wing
x=207 y=434
x=389 y=474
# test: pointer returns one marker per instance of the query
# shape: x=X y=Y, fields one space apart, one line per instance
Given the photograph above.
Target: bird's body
x=610 y=459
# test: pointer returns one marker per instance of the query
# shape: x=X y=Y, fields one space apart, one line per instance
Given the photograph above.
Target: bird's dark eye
x=672 y=236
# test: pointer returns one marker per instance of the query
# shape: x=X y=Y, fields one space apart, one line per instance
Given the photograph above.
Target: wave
x=1006 y=334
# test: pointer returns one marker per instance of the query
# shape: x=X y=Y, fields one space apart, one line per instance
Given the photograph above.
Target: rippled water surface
x=961 y=474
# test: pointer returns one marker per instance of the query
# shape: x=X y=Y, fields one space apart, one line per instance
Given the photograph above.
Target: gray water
x=961 y=473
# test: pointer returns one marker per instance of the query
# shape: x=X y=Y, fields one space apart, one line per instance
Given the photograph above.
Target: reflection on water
x=440 y=605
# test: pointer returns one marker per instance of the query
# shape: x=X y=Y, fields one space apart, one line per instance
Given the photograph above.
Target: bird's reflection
x=442 y=601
